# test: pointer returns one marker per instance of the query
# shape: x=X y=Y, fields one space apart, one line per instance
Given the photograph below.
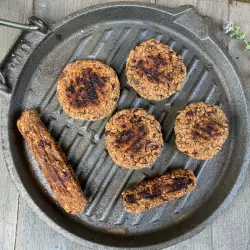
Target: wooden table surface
x=21 y=229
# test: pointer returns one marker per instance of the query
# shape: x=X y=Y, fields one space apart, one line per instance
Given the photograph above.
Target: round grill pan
x=107 y=33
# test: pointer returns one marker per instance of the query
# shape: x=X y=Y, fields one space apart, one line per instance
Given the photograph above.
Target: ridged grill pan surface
x=107 y=33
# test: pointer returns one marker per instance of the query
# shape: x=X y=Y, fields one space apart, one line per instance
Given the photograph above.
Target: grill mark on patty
x=207 y=129
x=156 y=191
x=53 y=172
x=196 y=134
x=150 y=67
x=132 y=137
x=86 y=89
x=180 y=183
x=125 y=137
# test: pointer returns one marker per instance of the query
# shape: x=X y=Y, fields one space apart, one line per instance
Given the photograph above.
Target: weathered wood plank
x=13 y=10
x=33 y=233
x=174 y=3
x=17 y=11
x=51 y=11
x=217 y=10
x=8 y=206
x=201 y=241
x=246 y=1
x=231 y=230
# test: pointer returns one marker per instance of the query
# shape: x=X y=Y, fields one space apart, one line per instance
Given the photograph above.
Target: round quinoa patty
x=201 y=129
x=88 y=90
x=154 y=70
x=133 y=138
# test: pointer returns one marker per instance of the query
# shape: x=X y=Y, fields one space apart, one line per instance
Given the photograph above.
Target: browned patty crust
x=133 y=138
x=57 y=171
x=151 y=193
x=154 y=70
x=88 y=90
x=201 y=129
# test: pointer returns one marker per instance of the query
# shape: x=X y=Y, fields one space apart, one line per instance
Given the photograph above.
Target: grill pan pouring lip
x=8 y=89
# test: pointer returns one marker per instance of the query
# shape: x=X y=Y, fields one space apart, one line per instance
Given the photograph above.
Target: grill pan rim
x=48 y=220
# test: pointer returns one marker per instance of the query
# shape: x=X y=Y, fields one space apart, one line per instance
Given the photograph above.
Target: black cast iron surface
x=107 y=33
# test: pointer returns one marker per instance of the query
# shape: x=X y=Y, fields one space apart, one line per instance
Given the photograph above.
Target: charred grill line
x=156 y=191
x=151 y=193
x=207 y=129
x=85 y=90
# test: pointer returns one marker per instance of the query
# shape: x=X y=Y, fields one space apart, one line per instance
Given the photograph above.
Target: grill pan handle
x=34 y=23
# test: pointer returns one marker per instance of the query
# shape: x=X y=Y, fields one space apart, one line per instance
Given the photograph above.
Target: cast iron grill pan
x=107 y=33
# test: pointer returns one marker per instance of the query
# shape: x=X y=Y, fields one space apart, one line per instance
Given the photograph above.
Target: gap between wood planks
x=244 y=1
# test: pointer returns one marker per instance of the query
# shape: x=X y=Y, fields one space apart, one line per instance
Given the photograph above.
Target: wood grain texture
x=51 y=11
x=33 y=233
x=9 y=197
x=232 y=229
x=229 y=231
x=8 y=207
x=14 y=10
x=245 y=1
x=217 y=10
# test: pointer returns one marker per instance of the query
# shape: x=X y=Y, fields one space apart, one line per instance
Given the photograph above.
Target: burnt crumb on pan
x=133 y=140
x=154 y=70
x=201 y=130
x=151 y=193
x=88 y=90
x=59 y=37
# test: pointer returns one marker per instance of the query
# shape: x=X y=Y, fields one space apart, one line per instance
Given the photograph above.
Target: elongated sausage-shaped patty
x=53 y=163
x=151 y=193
